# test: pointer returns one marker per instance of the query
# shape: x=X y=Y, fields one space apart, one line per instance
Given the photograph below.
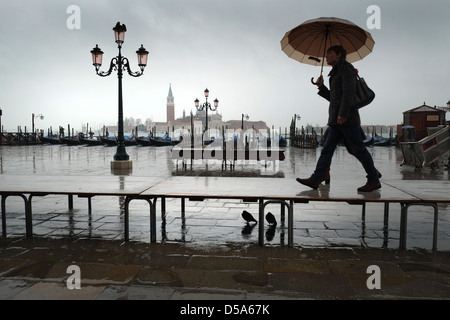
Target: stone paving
x=212 y=254
x=110 y=269
x=217 y=222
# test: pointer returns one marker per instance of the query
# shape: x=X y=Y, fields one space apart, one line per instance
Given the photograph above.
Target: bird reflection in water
x=251 y=222
x=272 y=221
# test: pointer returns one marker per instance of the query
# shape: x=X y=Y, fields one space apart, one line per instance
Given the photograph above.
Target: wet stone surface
x=172 y=270
x=212 y=252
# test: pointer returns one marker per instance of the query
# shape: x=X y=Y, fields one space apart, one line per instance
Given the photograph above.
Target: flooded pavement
x=212 y=253
x=39 y=269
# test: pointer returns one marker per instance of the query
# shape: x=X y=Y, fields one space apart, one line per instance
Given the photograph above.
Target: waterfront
x=218 y=222
x=212 y=254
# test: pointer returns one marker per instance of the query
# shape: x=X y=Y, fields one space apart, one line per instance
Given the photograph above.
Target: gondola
x=161 y=142
x=51 y=140
x=282 y=142
x=368 y=141
x=94 y=141
x=129 y=141
x=109 y=141
x=381 y=141
x=144 y=141
x=71 y=141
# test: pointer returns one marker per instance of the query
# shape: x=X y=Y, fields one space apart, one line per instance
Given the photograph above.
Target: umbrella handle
x=312 y=79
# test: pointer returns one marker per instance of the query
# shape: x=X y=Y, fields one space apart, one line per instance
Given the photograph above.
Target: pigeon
x=248 y=217
x=270 y=218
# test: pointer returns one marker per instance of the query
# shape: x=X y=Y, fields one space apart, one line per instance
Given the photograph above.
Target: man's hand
x=319 y=81
x=341 y=120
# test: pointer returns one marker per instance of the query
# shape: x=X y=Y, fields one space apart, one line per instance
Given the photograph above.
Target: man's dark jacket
x=342 y=94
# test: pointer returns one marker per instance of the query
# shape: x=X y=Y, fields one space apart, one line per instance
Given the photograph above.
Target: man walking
x=343 y=121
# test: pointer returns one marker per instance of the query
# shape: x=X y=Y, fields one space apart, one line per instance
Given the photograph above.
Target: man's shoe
x=379 y=174
x=308 y=182
x=370 y=186
x=326 y=177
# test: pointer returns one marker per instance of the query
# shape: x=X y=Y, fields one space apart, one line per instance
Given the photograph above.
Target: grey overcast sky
x=230 y=47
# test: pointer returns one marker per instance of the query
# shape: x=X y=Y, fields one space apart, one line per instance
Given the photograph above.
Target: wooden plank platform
x=271 y=188
x=28 y=187
x=262 y=190
x=431 y=193
x=76 y=185
x=426 y=190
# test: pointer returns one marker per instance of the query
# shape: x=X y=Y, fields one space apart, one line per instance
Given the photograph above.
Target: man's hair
x=338 y=50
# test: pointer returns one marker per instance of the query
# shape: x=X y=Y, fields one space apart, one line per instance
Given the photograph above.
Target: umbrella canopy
x=308 y=42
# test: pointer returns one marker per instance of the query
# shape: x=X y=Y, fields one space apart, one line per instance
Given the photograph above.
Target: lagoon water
x=316 y=224
x=157 y=161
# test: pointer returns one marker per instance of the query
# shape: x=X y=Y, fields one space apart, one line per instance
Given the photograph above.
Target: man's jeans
x=352 y=136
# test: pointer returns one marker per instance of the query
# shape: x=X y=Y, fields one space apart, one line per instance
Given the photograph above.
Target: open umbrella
x=308 y=42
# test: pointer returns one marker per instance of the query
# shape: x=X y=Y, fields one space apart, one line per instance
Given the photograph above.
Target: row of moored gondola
x=109 y=141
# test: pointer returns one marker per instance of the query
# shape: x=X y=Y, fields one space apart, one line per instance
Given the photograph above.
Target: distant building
x=237 y=124
x=215 y=120
x=170 y=106
x=171 y=124
x=424 y=117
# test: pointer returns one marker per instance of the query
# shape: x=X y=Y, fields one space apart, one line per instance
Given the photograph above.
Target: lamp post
x=294 y=129
x=1 y=129
x=120 y=64
x=40 y=116
x=246 y=118
x=206 y=106
x=296 y=117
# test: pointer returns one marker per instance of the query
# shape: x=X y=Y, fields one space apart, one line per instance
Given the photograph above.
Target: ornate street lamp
x=206 y=106
x=120 y=64
x=40 y=116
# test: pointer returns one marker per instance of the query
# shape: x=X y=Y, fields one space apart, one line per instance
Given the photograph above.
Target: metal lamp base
x=121 y=167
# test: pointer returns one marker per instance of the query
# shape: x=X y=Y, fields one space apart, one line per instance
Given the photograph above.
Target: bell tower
x=170 y=106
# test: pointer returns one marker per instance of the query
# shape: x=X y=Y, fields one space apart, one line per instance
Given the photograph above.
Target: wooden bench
x=225 y=156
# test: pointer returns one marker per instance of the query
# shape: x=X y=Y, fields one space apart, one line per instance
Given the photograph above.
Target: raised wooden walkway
x=264 y=191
